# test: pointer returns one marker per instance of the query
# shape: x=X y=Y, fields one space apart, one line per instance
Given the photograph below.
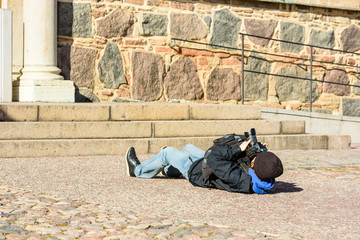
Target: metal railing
x=311 y=60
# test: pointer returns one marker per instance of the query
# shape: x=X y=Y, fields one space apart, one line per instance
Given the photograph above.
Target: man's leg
x=181 y=160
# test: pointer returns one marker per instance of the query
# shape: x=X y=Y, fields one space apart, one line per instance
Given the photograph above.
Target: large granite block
x=225 y=28
x=291 y=32
x=295 y=89
x=182 y=81
x=223 y=84
x=148 y=71
x=110 y=67
x=187 y=26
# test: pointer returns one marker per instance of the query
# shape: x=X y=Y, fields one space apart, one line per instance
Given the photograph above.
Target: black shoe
x=131 y=161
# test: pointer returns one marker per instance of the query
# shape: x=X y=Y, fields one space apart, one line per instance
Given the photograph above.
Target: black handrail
x=243 y=50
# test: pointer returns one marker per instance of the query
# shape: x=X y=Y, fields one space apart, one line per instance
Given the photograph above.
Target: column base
x=44 y=91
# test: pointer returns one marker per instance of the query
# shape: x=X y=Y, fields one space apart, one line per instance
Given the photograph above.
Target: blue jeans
x=170 y=156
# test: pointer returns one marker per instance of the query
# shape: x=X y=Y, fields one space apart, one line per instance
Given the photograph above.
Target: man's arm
x=224 y=166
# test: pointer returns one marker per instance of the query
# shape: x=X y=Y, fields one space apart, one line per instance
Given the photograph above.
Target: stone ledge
x=228 y=112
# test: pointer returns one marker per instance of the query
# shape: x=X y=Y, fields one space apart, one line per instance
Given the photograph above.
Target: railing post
x=311 y=77
x=242 y=70
x=5 y=55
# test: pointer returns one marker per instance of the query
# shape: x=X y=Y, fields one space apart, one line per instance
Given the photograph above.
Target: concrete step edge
x=124 y=111
x=185 y=128
x=77 y=147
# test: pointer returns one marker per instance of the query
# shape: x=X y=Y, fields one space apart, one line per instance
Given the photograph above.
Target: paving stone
x=187 y=26
x=294 y=33
x=183 y=75
x=225 y=28
x=148 y=71
x=350 y=39
x=322 y=38
x=292 y=88
x=336 y=76
x=262 y=28
x=83 y=74
x=118 y=23
x=154 y=24
x=257 y=85
x=110 y=67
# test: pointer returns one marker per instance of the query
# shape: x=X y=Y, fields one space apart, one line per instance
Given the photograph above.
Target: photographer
x=225 y=172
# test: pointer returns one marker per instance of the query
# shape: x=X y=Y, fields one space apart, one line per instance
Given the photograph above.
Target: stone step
x=82 y=147
x=125 y=111
x=144 y=129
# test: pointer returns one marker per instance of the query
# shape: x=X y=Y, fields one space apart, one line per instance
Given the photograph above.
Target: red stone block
x=351 y=61
x=203 y=6
x=106 y=93
x=157 y=41
x=195 y=52
x=222 y=55
x=201 y=61
x=135 y=42
x=96 y=13
x=163 y=49
x=136 y=2
x=329 y=59
x=182 y=6
x=230 y=61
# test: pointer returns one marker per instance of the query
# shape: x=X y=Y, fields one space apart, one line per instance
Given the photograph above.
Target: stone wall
x=121 y=50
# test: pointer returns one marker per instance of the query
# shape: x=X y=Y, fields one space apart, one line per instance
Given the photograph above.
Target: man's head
x=267 y=166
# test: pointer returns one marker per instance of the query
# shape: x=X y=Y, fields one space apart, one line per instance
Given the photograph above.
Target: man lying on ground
x=225 y=172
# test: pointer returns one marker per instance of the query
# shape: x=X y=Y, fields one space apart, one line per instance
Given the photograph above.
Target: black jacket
x=228 y=174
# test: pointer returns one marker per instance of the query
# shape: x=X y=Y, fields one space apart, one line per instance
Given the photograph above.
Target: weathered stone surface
x=118 y=23
x=223 y=84
x=154 y=24
x=322 y=38
x=294 y=33
x=85 y=95
x=336 y=76
x=225 y=28
x=75 y=19
x=83 y=74
x=148 y=71
x=256 y=85
x=65 y=18
x=356 y=90
x=350 y=107
x=182 y=81
x=292 y=88
x=187 y=26
x=207 y=19
x=263 y=28
x=63 y=60
x=110 y=67
x=350 y=39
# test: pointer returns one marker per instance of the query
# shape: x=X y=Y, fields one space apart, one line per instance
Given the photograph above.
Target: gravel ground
x=317 y=197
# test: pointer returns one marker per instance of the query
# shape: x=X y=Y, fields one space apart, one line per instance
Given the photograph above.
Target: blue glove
x=260 y=187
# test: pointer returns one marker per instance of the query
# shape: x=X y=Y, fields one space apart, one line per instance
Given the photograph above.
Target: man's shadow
x=285 y=187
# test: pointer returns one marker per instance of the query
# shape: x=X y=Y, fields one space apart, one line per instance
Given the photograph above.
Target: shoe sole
x=126 y=162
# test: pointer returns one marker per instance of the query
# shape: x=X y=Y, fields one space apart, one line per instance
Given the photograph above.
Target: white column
x=41 y=81
x=5 y=55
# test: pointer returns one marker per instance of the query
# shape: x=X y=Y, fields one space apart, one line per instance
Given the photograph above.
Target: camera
x=255 y=147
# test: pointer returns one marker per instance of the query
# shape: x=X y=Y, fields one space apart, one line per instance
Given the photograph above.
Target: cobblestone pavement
x=317 y=197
